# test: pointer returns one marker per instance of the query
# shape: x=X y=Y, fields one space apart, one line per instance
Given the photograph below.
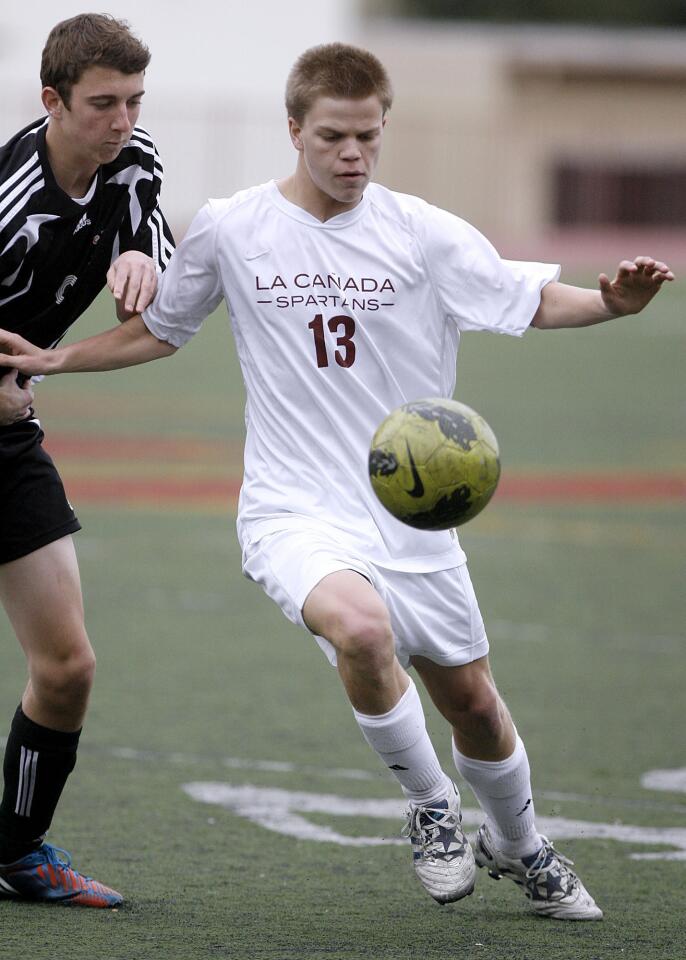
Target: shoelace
x=60 y=859
x=421 y=821
x=51 y=855
x=547 y=858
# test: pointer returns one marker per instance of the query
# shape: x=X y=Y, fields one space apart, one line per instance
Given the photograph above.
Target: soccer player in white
x=347 y=300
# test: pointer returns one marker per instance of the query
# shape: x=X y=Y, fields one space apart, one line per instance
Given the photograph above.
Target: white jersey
x=336 y=324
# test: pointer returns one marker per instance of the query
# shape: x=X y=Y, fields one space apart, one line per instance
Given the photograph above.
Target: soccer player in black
x=79 y=209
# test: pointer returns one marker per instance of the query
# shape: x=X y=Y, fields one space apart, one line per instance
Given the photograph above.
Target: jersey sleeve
x=145 y=228
x=190 y=288
x=15 y=277
x=476 y=288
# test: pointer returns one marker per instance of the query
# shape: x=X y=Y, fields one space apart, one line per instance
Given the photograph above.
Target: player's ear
x=52 y=101
x=295 y=132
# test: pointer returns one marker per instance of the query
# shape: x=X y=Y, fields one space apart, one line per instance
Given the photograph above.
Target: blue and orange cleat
x=47 y=875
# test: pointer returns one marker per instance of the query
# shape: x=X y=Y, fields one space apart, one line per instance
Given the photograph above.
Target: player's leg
x=41 y=594
x=492 y=758
x=487 y=750
x=346 y=610
x=320 y=585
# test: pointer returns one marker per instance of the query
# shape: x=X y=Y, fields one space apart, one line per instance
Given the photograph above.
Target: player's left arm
x=634 y=286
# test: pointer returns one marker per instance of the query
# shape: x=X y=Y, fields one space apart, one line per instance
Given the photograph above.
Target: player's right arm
x=190 y=289
x=128 y=344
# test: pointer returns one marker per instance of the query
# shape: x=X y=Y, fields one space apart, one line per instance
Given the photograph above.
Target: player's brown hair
x=89 y=40
x=335 y=70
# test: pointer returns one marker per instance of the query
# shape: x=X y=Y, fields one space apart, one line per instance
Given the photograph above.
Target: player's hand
x=15 y=398
x=23 y=356
x=635 y=285
x=132 y=278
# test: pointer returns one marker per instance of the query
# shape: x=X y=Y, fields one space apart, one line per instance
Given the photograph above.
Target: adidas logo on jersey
x=83 y=222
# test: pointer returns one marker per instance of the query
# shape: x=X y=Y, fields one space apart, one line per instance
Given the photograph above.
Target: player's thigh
x=41 y=594
x=305 y=570
x=346 y=609
x=288 y=563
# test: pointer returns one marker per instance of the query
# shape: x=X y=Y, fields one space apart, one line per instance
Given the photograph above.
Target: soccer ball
x=434 y=463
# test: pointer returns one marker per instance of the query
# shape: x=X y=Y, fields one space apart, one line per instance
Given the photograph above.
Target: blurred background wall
x=558 y=140
x=214 y=88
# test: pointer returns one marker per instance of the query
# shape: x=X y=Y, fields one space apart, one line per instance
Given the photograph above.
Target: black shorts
x=34 y=509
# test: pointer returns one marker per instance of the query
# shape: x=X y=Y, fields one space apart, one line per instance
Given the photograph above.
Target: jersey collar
x=298 y=213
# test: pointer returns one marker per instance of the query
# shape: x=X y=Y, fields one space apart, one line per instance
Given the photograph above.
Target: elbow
x=165 y=349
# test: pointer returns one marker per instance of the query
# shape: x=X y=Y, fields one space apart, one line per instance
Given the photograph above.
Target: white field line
x=671 y=781
x=343 y=773
x=285 y=812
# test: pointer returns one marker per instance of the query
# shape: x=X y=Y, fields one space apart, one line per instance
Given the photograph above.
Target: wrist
x=53 y=361
x=608 y=309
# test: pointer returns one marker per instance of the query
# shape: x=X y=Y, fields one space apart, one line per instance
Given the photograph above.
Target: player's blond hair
x=89 y=40
x=335 y=70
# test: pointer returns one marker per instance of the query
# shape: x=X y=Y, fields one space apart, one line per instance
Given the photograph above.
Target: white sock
x=503 y=789
x=399 y=737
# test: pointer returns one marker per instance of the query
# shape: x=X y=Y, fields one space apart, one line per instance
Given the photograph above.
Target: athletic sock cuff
x=398 y=729
x=502 y=776
x=37 y=737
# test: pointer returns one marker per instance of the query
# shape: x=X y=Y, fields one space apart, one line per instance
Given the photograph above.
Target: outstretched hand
x=21 y=355
x=635 y=285
x=132 y=278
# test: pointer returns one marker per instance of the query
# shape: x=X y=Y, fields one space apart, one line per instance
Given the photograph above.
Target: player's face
x=102 y=112
x=339 y=143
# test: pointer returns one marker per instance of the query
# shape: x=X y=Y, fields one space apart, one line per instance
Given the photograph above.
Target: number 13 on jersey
x=342 y=331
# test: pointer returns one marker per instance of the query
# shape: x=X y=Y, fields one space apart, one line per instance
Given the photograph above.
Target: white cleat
x=443 y=858
x=550 y=884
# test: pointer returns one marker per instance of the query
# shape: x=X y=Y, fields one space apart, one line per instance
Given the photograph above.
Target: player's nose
x=350 y=150
x=121 y=120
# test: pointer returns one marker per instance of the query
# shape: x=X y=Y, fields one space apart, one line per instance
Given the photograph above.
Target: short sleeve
x=476 y=287
x=190 y=289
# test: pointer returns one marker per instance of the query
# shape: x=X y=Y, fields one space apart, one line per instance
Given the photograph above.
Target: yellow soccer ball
x=434 y=464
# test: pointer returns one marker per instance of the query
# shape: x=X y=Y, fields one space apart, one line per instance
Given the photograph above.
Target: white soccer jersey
x=336 y=324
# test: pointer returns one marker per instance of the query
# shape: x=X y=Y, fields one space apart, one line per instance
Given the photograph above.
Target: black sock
x=37 y=764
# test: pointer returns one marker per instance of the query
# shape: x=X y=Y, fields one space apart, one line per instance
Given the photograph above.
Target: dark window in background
x=594 y=194
x=615 y=13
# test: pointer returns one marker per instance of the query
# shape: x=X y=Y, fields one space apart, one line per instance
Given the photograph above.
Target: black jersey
x=55 y=251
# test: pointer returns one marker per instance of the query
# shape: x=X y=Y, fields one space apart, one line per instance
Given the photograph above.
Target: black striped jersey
x=55 y=251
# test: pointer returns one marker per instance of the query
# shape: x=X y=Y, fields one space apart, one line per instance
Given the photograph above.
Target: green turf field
x=206 y=693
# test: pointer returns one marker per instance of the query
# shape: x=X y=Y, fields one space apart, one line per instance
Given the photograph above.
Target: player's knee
x=486 y=718
x=480 y=708
x=66 y=679
x=366 y=636
x=486 y=712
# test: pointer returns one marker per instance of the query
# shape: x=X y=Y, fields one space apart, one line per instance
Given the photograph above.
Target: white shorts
x=433 y=615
